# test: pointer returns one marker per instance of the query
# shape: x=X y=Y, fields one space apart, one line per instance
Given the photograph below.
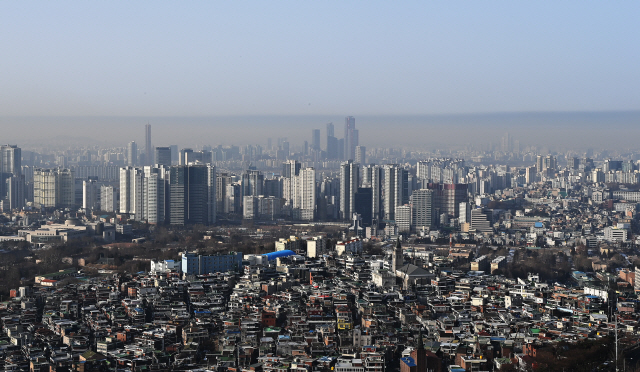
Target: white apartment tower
x=349 y=182
x=304 y=194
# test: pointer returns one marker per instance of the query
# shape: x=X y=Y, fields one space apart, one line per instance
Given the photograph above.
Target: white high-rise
x=349 y=182
x=304 y=194
x=90 y=195
x=108 y=199
x=54 y=188
x=395 y=180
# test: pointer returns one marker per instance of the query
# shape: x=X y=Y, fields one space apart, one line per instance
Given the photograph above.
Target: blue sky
x=157 y=58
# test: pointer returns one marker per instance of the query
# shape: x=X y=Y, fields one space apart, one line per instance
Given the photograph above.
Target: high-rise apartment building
x=361 y=154
x=153 y=196
x=132 y=154
x=350 y=138
x=131 y=191
x=148 y=151
x=396 y=189
x=54 y=188
x=90 y=195
x=304 y=195
x=108 y=198
x=422 y=209
x=349 y=182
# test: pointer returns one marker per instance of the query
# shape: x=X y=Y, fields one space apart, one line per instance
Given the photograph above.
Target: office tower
x=507 y=143
x=396 y=183
x=222 y=181
x=332 y=143
x=186 y=156
x=233 y=200
x=315 y=139
x=304 y=195
x=15 y=187
x=54 y=188
x=132 y=154
x=90 y=195
x=212 y=188
x=372 y=176
x=363 y=205
x=447 y=197
x=481 y=221
x=10 y=164
x=192 y=195
x=147 y=145
x=349 y=182
x=350 y=138
x=174 y=154
x=252 y=183
x=163 y=156
x=274 y=187
x=11 y=159
x=361 y=153
x=422 y=213
x=108 y=198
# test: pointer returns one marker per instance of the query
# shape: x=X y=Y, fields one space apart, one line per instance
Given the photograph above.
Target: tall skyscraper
x=396 y=191
x=363 y=205
x=332 y=143
x=163 y=156
x=11 y=159
x=153 y=195
x=192 y=195
x=131 y=190
x=372 y=176
x=349 y=182
x=90 y=195
x=350 y=138
x=252 y=183
x=147 y=145
x=315 y=139
x=11 y=166
x=132 y=154
x=304 y=194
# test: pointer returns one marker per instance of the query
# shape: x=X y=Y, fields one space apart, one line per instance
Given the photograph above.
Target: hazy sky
x=158 y=58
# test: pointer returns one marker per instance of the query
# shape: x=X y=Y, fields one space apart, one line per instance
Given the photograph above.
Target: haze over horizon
x=158 y=59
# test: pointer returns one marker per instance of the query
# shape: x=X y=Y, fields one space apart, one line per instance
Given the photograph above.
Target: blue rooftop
x=538 y=225
x=408 y=361
x=278 y=254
